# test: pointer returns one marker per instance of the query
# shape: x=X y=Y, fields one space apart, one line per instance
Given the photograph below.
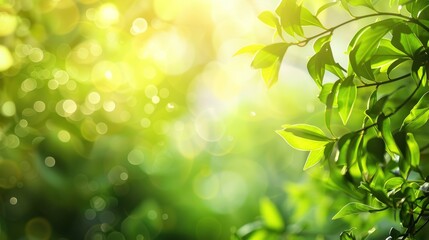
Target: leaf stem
x=384 y=82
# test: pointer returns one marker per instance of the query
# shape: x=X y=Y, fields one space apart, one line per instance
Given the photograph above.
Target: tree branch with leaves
x=388 y=61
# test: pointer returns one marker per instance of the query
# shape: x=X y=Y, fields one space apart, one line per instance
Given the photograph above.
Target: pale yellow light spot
x=94 y=98
x=64 y=136
x=101 y=128
x=6 y=59
x=69 y=106
x=8 y=23
x=139 y=26
x=109 y=106
x=8 y=109
x=50 y=161
x=36 y=55
x=107 y=15
x=39 y=106
x=13 y=200
x=145 y=122
x=28 y=85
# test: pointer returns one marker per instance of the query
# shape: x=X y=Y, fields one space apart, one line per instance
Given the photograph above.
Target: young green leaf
x=270 y=215
x=314 y=157
x=290 y=17
x=405 y=40
x=413 y=151
x=271 y=74
x=326 y=6
x=249 y=49
x=346 y=98
x=365 y=44
x=316 y=64
x=418 y=115
x=271 y=20
x=330 y=102
x=325 y=91
x=308 y=19
x=353 y=149
x=304 y=137
x=383 y=123
x=270 y=54
x=355 y=208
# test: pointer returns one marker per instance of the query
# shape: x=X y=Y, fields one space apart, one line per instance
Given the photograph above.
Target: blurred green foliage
x=131 y=120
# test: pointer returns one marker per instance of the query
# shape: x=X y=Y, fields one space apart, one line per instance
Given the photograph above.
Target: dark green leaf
x=343 y=147
x=304 y=137
x=385 y=56
x=346 y=98
x=377 y=108
x=353 y=150
x=354 y=208
x=418 y=115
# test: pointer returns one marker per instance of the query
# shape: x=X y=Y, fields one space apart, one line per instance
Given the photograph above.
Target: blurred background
x=132 y=120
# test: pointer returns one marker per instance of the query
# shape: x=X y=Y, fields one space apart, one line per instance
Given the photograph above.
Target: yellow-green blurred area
x=132 y=119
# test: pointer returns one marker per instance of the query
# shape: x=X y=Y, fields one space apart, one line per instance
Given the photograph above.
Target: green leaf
x=270 y=215
x=325 y=91
x=383 y=123
x=271 y=20
x=268 y=18
x=366 y=43
x=270 y=54
x=386 y=55
x=354 y=208
x=271 y=74
x=393 y=183
x=413 y=151
x=346 y=98
x=418 y=115
x=249 y=49
x=375 y=109
x=320 y=42
x=353 y=150
x=405 y=40
x=315 y=156
x=316 y=64
x=290 y=17
x=304 y=137
x=326 y=6
x=308 y=19
x=343 y=147
x=330 y=102
x=366 y=3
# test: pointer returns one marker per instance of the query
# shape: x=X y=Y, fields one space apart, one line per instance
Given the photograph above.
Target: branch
x=384 y=82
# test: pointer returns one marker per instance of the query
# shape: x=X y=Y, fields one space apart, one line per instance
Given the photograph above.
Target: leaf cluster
x=380 y=163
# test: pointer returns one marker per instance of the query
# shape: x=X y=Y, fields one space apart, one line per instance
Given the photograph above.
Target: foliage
x=381 y=161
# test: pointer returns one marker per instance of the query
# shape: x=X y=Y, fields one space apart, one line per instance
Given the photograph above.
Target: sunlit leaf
x=405 y=40
x=315 y=156
x=393 y=183
x=325 y=91
x=250 y=49
x=326 y=6
x=304 y=137
x=354 y=208
x=413 y=151
x=270 y=215
x=353 y=149
x=271 y=74
x=290 y=17
x=331 y=99
x=386 y=131
x=268 y=55
x=271 y=20
x=346 y=98
x=316 y=64
x=365 y=44
x=418 y=115
x=307 y=18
